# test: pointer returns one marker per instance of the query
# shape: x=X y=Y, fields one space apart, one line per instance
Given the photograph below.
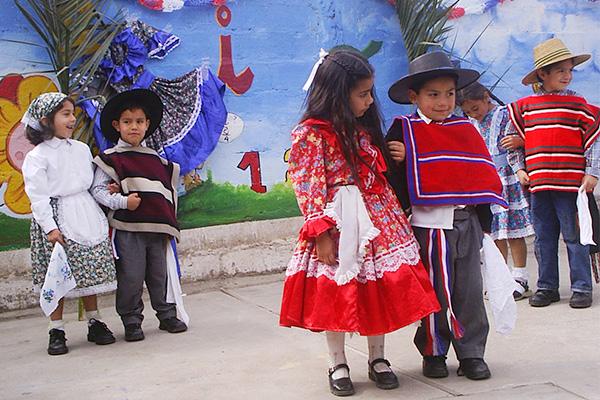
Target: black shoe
x=58 y=342
x=523 y=292
x=383 y=380
x=172 y=325
x=134 y=332
x=544 y=297
x=99 y=333
x=473 y=368
x=580 y=300
x=341 y=386
x=435 y=367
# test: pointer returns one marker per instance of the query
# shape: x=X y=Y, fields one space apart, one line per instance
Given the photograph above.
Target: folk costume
x=142 y=237
x=561 y=131
x=58 y=174
x=448 y=179
x=379 y=284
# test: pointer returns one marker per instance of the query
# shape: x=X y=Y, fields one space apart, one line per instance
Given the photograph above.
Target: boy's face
x=436 y=99
x=559 y=76
x=132 y=126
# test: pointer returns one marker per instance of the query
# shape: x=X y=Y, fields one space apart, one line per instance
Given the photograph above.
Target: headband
x=41 y=107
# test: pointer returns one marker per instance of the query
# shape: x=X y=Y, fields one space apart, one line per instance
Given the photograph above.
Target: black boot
x=58 y=342
x=435 y=367
x=99 y=333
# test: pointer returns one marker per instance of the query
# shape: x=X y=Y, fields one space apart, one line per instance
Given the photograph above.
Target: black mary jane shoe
x=473 y=368
x=58 y=342
x=383 y=380
x=341 y=386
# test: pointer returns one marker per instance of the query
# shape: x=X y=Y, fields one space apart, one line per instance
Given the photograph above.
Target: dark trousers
x=463 y=277
x=142 y=258
x=554 y=213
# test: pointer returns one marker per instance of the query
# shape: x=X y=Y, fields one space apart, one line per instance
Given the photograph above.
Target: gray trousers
x=142 y=257
x=434 y=336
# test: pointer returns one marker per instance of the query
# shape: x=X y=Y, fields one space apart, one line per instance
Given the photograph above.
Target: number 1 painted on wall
x=252 y=159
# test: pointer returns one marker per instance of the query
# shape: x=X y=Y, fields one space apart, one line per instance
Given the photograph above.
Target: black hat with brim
x=145 y=98
x=426 y=67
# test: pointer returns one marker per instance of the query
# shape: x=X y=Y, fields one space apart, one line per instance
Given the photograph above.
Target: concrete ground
x=235 y=349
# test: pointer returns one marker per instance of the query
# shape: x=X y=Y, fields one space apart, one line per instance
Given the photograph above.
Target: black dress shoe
x=134 y=332
x=435 y=367
x=580 y=300
x=473 y=368
x=543 y=298
x=172 y=325
x=383 y=380
x=58 y=342
x=341 y=386
x=99 y=333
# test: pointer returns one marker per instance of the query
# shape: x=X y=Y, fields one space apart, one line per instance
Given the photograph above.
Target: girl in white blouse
x=58 y=174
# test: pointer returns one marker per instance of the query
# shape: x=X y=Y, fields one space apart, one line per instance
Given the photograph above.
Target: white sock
x=337 y=354
x=94 y=314
x=57 y=324
x=520 y=274
x=376 y=350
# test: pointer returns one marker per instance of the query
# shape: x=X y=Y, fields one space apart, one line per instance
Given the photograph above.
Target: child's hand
x=326 y=249
x=114 y=187
x=133 y=201
x=512 y=142
x=397 y=151
x=523 y=177
x=56 y=236
x=589 y=182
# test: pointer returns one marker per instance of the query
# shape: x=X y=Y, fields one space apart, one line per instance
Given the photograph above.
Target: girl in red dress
x=356 y=267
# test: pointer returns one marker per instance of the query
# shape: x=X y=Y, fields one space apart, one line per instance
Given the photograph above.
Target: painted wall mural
x=263 y=52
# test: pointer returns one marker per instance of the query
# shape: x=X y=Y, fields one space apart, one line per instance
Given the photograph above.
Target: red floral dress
x=392 y=289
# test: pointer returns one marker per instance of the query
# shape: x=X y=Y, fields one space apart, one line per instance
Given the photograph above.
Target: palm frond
x=423 y=24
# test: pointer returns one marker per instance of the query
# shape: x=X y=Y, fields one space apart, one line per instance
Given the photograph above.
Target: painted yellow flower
x=16 y=92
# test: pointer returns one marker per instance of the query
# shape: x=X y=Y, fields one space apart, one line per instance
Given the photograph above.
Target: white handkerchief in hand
x=586 y=232
x=58 y=281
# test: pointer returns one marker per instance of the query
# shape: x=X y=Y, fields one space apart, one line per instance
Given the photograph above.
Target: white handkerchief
x=58 y=281
x=586 y=232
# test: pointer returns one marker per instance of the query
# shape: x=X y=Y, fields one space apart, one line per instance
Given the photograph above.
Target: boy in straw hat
x=144 y=216
x=451 y=180
x=561 y=157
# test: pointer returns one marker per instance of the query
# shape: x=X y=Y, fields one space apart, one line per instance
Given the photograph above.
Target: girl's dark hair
x=36 y=137
x=475 y=91
x=329 y=99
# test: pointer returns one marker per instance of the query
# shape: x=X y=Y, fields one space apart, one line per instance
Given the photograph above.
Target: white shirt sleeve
x=36 y=186
x=102 y=195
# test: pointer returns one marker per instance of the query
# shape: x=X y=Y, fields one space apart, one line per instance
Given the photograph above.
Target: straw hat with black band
x=145 y=98
x=430 y=66
x=549 y=52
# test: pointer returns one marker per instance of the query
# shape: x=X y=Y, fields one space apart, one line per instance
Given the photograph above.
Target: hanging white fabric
x=500 y=285
x=58 y=282
x=356 y=231
x=586 y=233
x=174 y=292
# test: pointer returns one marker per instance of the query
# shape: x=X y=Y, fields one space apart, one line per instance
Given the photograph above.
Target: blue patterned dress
x=514 y=222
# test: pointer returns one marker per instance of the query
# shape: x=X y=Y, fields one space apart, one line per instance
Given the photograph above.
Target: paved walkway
x=235 y=349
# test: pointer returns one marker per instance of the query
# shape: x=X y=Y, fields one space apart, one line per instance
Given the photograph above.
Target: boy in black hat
x=144 y=216
x=443 y=162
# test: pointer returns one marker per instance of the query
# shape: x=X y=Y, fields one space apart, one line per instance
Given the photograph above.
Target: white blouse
x=62 y=168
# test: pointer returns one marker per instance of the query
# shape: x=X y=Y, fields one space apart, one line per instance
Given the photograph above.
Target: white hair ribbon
x=311 y=77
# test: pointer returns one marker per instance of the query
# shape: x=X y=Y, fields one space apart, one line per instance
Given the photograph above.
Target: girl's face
x=559 y=76
x=361 y=97
x=477 y=109
x=64 y=121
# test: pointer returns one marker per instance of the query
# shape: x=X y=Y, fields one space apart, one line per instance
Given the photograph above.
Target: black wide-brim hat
x=430 y=66
x=144 y=98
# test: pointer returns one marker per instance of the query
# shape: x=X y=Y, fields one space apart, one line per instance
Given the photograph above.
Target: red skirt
x=391 y=291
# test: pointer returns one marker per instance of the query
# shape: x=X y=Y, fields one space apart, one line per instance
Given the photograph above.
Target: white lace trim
x=370 y=270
